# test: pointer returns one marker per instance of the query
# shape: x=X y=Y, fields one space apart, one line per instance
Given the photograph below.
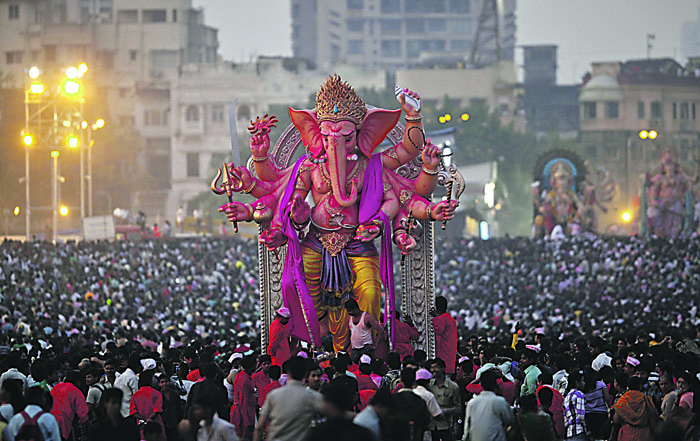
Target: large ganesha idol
x=357 y=197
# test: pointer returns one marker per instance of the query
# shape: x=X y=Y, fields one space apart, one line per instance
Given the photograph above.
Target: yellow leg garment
x=367 y=291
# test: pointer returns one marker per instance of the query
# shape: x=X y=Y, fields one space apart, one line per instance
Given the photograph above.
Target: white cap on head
x=633 y=361
x=463 y=359
x=423 y=374
x=601 y=361
x=234 y=356
x=284 y=312
x=365 y=359
x=148 y=364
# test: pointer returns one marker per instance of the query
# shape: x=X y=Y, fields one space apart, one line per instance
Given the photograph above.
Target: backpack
x=29 y=430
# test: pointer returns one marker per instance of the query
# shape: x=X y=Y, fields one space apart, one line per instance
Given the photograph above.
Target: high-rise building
x=690 y=39
x=401 y=34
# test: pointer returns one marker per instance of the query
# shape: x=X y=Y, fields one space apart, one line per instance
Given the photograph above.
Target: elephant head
x=339 y=139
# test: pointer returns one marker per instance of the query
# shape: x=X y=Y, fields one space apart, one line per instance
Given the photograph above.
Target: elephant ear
x=305 y=121
x=375 y=126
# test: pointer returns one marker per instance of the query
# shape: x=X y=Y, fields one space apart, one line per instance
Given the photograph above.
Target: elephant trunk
x=337 y=162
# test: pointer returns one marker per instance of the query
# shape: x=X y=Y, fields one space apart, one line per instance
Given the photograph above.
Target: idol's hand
x=237 y=211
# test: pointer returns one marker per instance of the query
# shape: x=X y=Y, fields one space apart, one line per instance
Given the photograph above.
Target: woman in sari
x=635 y=415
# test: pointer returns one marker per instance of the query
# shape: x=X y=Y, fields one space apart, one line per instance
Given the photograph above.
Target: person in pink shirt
x=147 y=403
x=275 y=372
x=261 y=378
x=244 y=401
x=445 y=334
x=404 y=332
x=69 y=402
x=364 y=381
x=278 y=348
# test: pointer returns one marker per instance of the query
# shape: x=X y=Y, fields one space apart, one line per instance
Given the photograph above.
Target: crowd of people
x=592 y=337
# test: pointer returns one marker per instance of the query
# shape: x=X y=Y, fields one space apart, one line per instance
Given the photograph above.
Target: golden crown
x=337 y=101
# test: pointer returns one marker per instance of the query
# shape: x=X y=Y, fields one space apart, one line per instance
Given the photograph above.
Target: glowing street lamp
x=653 y=134
x=33 y=72
x=643 y=134
x=27 y=139
x=63 y=211
x=626 y=216
x=73 y=141
x=465 y=116
x=36 y=88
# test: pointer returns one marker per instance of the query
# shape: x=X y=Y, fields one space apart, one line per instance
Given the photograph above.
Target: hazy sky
x=585 y=31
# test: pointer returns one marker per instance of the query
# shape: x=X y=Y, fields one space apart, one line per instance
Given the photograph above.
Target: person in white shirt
x=37 y=401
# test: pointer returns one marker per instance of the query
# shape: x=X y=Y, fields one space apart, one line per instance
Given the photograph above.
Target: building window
x=692 y=111
x=390 y=27
x=50 y=53
x=425 y=6
x=460 y=45
x=192 y=165
x=612 y=109
x=674 y=111
x=355 y=4
x=132 y=55
x=391 y=48
x=154 y=16
x=655 y=109
x=217 y=113
x=589 y=110
x=461 y=6
x=437 y=25
x=174 y=15
x=192 y=114
x=415 y=25
x=356 y=47
x=459 y=26
x=355 y=24
x=127 y=16
x=14 y=12
x=611 y=151
x=640 y=109
x=390 y=6
x=684 y=111
x=14 y=57
x=152 y=118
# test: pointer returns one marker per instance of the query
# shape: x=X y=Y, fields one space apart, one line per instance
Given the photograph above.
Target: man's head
x=528 y=358
x=275 y=372
x=92 y=376
x=203 y=407
x=110 y=367
x=283 y=315
x=295 y=367
x=383 y=402
x=408 y=377
x=111 y=400
x=440 y=304
x=666 y=383
x=545 y=396
x=313 y=377
x=353 y=308
x=437 y=368
x=265 y=361
x=488 y=380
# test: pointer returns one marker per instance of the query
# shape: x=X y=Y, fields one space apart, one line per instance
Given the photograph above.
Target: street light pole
x=89 y=175
x=27 y=208
x=54 y=193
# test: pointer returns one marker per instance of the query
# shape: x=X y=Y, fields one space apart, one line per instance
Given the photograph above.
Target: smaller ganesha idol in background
x=669 y=195
x=557 y=194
